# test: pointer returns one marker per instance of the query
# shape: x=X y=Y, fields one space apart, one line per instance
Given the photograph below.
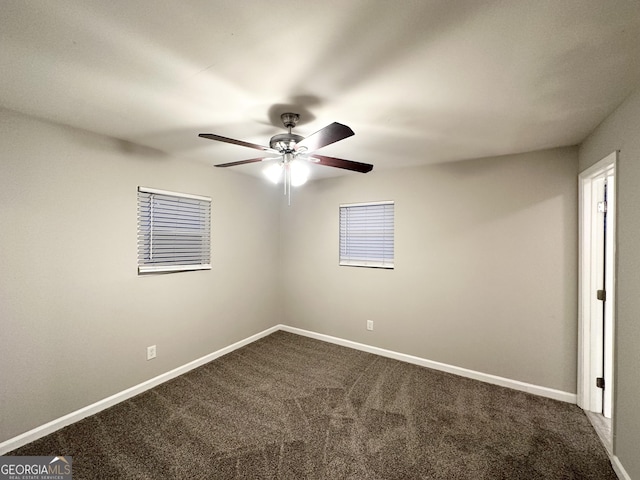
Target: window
x=174 y=231
x=367 y=234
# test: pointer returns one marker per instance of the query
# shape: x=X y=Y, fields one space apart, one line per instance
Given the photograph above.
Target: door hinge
x=602 y=207
x=602 y=295
x=600 y=382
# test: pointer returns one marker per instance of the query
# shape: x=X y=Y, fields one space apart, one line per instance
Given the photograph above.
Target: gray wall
x=75 y=317
x=486 y=265
x=621 y=131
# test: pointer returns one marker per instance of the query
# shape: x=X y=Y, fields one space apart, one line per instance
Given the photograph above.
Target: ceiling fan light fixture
x=293 y=171
x=273 y=172
x=299 y=172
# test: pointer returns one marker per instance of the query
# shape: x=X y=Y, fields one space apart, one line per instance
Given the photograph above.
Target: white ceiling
x=418 y=81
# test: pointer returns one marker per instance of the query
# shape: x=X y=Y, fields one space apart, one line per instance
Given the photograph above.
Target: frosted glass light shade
x=273 y=172
x=299 y=172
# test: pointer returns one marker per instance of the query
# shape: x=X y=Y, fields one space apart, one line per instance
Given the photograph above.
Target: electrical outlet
x=369 y=324
x=151 y=352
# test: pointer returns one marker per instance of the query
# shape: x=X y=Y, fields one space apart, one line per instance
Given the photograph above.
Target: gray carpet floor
x=290 y=407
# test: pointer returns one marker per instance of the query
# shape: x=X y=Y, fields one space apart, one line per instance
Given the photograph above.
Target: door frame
x=586 y=274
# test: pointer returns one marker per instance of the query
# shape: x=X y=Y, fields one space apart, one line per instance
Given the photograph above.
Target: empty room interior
x=475 y=343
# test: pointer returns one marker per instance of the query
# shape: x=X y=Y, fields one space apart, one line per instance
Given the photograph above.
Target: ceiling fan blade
x=326 y=136
x=242 y=162
x=341 y=163
x=219 y=138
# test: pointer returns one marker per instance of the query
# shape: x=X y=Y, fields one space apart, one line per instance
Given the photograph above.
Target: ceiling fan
x=294 y=151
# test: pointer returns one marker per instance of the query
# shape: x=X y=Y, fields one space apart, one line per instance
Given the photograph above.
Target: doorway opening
x=597 y=186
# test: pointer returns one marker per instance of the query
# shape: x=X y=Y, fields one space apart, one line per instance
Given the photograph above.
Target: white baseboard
x=94 y=408
x=619 y=469
x=463 y=372
x=100 y=405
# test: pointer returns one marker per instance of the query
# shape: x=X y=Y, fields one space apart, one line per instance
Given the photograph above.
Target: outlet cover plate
x=151 y=352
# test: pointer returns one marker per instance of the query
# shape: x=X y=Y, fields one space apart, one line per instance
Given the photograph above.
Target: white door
x=597 y=292
x=607 y=318
x=597 y=288
x=603 y=227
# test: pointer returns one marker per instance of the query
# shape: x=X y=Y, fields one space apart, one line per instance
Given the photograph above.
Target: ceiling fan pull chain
x=288 y=181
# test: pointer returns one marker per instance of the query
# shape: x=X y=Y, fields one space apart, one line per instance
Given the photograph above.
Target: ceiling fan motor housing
x=285 y=142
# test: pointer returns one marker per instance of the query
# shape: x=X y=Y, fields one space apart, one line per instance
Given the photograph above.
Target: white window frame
x=198 y=256
x=385 y=255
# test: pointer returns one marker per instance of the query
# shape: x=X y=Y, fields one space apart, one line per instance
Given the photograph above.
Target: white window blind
x=367 y=234
x=174 y=231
